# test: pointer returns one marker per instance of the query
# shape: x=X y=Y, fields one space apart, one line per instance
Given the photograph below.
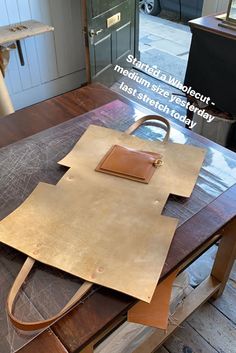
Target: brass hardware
x=111 y=21
x=158 y=163
x=18 y=28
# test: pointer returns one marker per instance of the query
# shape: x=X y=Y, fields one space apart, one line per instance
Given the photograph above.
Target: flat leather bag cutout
x=102 y=228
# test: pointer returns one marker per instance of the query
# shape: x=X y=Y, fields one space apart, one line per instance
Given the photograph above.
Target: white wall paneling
x=54 y=62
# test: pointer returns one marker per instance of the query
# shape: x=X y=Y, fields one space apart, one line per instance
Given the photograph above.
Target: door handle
x=93 y=33
x=99 y=31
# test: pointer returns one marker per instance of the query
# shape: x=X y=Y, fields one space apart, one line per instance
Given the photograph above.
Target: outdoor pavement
x=164 y=44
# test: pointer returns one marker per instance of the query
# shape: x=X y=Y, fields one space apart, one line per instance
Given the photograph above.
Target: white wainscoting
x=54 y=62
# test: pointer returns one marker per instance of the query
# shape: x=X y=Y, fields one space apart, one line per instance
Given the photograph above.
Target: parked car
x=186 y=8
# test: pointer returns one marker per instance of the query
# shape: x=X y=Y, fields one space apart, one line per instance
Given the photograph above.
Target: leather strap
x=31 y=326
x=158 y=118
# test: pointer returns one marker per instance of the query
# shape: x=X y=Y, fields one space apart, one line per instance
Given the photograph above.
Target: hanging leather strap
x=157 y=118
x=31 y=326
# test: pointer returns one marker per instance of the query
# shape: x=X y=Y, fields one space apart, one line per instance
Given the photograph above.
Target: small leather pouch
x=130 y=164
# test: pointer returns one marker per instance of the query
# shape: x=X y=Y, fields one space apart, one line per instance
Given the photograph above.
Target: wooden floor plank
x=185 y=339
x=215 y=328
x=226 y=304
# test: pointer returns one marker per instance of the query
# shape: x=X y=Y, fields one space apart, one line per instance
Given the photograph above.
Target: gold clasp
x=158 y=163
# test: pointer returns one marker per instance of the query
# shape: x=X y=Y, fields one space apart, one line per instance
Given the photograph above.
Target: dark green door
x=111 y=29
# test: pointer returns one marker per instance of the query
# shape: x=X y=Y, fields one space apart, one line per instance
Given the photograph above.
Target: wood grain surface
x=214 y=204
x=211 y=24
x=30 y=28
x=214 y=325
x=41 y=116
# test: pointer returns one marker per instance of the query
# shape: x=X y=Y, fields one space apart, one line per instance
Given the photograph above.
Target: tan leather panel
x=177 y=176
x=103 y=239
x=105 y=229
x=156 y=313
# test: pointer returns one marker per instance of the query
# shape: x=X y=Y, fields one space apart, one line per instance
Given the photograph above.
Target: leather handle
x=37 y=325
x=158 y=118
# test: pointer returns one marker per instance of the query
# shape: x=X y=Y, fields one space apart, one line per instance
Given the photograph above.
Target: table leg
x=225 y=256
x=6 y=106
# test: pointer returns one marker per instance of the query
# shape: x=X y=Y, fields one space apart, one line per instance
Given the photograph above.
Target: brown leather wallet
x=130 y=164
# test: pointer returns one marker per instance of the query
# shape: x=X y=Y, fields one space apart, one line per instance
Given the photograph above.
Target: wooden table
x=207 y=216
x=211 y=63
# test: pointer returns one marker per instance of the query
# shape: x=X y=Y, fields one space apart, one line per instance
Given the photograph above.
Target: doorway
x=165 y=36
x=165 y=45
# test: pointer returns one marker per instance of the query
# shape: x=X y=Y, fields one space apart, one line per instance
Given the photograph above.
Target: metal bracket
x=20 y=53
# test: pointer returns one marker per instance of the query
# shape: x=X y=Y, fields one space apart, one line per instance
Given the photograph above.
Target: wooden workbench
x=208 y=214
